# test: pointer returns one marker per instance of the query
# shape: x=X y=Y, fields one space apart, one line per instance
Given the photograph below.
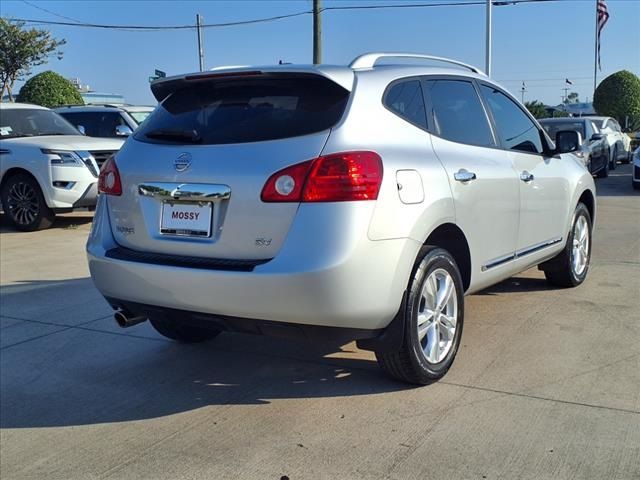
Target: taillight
x=109 y=180
x=338 y=177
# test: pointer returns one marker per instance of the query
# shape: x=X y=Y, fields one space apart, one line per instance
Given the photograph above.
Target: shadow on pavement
x=617 y=184
x=72 y=221
x=518 y=285
x=90 y=373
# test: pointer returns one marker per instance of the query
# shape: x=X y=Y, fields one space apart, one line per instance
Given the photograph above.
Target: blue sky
x=539 y=43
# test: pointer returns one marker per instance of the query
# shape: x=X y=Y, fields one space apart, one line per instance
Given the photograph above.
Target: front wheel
x=433 y=318
x=174 y=329
x=569 y=268
x=24 y=204
x=614 y=159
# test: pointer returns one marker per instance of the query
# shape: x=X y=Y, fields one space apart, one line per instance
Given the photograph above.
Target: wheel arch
x=450 y=237
x=588 y=198
x=16 y=171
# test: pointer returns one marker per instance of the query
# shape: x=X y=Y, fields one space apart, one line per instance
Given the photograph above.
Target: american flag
x=602 y=18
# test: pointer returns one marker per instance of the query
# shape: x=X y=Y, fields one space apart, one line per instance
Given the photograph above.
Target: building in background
x=90 y=96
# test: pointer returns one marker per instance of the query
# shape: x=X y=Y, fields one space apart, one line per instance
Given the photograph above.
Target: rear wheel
x=175 y=330
x=24 y=203
x=604 y=171
x=433 y=318
x=569 y=268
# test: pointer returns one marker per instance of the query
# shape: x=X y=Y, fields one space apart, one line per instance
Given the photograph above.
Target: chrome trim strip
x=520 y=253
x=498 y=261
x=539 y=246
x=197 y=192
x=4 y=151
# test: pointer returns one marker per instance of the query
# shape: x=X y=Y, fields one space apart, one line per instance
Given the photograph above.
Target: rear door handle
x=464 y=176
x=526 y=177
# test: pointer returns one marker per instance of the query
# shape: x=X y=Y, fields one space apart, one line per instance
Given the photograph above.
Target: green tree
x=573 y=97
x=618 y=96
x=537 y=109
x=20 y=50
x=49 y=90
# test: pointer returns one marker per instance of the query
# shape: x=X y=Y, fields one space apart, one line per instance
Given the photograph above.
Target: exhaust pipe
x=124 y=320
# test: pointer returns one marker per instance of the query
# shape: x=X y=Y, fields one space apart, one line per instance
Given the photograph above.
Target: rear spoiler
x=164 y=87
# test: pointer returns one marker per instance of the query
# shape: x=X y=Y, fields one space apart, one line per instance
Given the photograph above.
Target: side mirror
x=596 y=136
x=123 y=131
x=81 y=129
x=568 y=141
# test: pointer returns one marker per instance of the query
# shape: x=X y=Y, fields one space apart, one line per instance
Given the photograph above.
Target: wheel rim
x=580 y=252
x=23 y=204
x=437 y=315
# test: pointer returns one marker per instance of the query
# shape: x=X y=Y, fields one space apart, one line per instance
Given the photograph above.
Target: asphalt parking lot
x=546 y=384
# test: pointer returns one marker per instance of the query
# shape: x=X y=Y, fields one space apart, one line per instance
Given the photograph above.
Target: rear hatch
x=193 y=173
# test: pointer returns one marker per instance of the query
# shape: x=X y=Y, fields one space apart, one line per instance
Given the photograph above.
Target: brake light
x=109 y=180
x=338 y=177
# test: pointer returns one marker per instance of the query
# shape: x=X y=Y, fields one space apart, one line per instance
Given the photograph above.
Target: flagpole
x=595 y=53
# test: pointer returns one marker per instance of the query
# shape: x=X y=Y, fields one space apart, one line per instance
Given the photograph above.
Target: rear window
x=552 y=128
x=224 y=111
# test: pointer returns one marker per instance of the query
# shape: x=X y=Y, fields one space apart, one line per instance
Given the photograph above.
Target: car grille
x=101 y=156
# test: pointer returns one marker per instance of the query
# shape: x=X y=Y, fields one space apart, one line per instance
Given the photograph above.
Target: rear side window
x=516 y=129
x=457 y=112
x=405 y=99
x=267 y=107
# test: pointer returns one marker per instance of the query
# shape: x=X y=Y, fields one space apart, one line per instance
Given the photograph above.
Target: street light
x=490 y=3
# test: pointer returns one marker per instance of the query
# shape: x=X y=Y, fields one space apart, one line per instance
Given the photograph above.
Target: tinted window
x=457 y=112
x=552 y=128
x=96 y=124
x=228 y=110
x=516 y=129
x=405 y=99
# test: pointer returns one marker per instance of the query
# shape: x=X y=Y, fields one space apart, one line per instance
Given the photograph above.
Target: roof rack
x=368 y=60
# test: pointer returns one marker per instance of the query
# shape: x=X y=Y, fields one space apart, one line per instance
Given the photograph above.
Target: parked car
x=109 y=121
x=618 y=142
x=592 y=149
x=356 y=202
x=46 y=165
x=635 y=176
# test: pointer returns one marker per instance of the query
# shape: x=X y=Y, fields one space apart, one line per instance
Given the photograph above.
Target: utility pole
x=565 y=96
x=523 y=90
x=487 y=66
x=200 y=46
x=317 y=33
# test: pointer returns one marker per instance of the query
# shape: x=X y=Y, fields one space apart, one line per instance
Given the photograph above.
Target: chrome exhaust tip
x=124 y=320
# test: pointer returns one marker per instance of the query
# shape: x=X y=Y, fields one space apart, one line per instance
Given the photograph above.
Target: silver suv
x=358 y=202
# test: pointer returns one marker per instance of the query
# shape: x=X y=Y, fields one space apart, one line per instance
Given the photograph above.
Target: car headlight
x=65 y=158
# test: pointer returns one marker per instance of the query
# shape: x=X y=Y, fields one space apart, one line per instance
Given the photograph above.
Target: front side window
x=457 y=112
x=405 y=99
x=515 y=128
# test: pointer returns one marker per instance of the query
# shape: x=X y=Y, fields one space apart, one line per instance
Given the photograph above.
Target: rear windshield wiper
x=175 y=135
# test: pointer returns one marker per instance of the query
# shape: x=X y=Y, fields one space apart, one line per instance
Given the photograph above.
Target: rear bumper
x=357 y=284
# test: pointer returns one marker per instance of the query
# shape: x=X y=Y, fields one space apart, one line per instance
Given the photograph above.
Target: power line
x=50 y=12
x=76 y=23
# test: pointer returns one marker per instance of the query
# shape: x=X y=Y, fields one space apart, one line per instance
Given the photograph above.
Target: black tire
x=604 y=171
x=410 y=363
x=560 y=270
x=636 y=185
x=614 y=159
x=175 y=330
x=24 y=204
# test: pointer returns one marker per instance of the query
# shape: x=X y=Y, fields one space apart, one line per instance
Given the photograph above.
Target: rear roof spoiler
x=164 y=87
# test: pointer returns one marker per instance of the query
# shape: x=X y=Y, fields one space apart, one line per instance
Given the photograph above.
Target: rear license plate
x=187 y=219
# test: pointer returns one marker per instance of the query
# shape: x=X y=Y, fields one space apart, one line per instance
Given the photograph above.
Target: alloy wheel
x=23 y=203
x=580 y=250
x=437 y=315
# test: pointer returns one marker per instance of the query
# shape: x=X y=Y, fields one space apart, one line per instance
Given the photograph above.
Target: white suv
x=46 y=165
x=356 y=202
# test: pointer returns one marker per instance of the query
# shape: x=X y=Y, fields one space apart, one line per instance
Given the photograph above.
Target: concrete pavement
x=546 y=384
